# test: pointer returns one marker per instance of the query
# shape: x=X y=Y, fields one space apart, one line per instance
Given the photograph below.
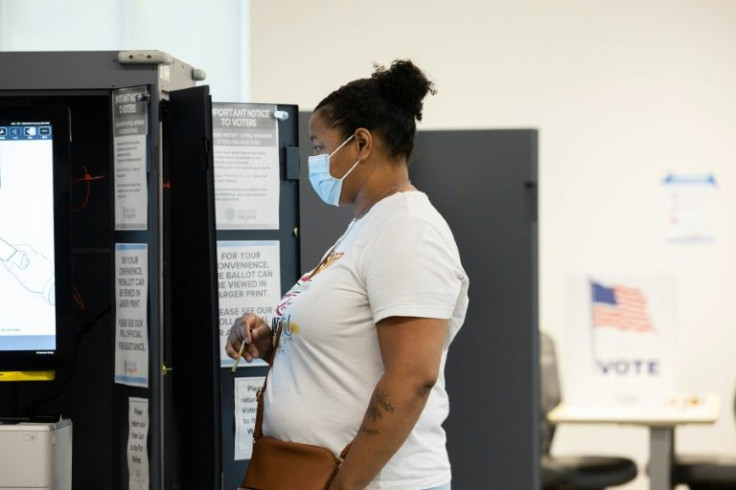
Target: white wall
x=213 y=36
x=622 y=93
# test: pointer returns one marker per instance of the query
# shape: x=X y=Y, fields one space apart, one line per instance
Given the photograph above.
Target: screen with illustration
x=28 y=235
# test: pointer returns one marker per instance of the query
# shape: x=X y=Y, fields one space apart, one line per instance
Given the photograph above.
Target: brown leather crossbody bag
x=281 y=465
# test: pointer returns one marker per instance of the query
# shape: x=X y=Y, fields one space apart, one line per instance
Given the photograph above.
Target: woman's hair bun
x=404 y=85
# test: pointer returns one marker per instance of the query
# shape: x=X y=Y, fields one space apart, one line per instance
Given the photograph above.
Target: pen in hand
x=240 y=356
x=274 y=323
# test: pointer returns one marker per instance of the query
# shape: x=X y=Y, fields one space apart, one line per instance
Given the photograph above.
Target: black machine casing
x=178 y=116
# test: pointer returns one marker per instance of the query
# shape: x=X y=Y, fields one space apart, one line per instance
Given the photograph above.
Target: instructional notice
x=246 y=157
x=130 y=127
x=131 y=305
x=138 y=477
x=246 y=406
x=692 y=208
x=249 y=280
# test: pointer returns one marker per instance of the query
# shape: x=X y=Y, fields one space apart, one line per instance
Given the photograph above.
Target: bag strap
x=258 y=428
x=344 y=453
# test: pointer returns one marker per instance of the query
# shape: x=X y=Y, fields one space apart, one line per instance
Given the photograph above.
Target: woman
x=362 y=354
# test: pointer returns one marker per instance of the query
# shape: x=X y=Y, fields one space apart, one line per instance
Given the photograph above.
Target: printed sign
x=245 y=415
x=621 y=342
x=130 y=127
x=246 y=158
x=131 y=306
x=138 y=477
x=692 y=209
x=249 y=280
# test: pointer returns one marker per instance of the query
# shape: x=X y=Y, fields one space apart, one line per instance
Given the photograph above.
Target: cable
x=86 y=178
x=56 y=388
x=78 y=299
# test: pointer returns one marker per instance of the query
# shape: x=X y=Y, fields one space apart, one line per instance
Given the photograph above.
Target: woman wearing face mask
x=361 y=358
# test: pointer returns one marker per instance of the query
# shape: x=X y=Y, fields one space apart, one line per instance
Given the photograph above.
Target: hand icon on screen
x=32 y=269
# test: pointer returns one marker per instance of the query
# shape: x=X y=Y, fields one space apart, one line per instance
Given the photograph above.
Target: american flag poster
x=622 y=338
x=620 y=307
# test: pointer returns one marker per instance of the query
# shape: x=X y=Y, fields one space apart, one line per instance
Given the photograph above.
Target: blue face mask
x=326 y=186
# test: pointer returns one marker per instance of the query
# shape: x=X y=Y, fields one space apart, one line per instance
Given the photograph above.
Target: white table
x=661 y=420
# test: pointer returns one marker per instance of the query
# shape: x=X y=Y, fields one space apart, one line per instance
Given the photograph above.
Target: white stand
x=36 y=456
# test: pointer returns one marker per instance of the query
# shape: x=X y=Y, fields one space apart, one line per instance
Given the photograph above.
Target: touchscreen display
x=27 y=279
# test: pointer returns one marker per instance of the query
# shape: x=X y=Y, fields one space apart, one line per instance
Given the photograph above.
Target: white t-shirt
x=400 y=259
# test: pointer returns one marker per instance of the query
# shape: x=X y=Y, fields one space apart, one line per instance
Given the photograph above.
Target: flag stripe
x=620 y=307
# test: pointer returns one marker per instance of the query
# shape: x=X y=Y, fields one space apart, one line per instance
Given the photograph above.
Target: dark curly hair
x=388 y=103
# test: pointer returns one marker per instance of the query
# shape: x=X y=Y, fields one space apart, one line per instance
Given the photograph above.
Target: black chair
x=705 y=472
x=571 y=472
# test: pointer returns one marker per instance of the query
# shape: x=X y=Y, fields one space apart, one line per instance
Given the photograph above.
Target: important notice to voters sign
x=246 y=159
x=249 y=280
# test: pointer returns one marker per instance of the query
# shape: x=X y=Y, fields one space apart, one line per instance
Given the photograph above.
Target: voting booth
x=172 y=217
x=112 y=325
x=107 y=181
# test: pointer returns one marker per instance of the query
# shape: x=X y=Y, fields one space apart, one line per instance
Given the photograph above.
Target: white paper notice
x=246 y=156
x=138 y=477
x=249 y=280
x=691 y=206
x=621 y=341
x=245 y=409
x=130 y=127
x=131 y=326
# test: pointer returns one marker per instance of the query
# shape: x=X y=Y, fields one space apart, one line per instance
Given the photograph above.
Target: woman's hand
x=254 y=332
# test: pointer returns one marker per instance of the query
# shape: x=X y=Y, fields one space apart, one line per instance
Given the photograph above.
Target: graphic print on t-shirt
x=330 y=259
x=290 y=327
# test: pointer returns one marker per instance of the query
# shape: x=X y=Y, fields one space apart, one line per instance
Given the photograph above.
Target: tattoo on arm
x=368 y=431
x=374 y=412
x=379 y=403
x=381 y=398
x=377 y=406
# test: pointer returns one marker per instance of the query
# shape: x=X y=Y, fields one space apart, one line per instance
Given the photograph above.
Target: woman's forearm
x=392 y=412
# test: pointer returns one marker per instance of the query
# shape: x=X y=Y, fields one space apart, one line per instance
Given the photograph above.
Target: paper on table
x=677 y=409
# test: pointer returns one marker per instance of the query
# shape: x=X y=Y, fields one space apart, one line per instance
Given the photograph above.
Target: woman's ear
x=365 y=143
